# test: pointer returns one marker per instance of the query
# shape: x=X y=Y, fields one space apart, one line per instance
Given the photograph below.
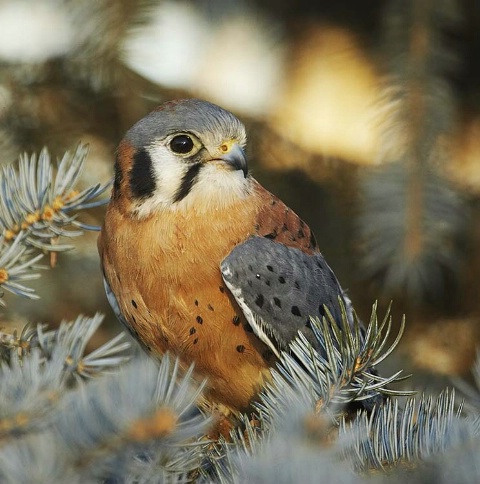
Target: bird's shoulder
x=277 y=222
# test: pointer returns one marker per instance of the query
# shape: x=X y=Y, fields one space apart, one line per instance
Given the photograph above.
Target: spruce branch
x=342 y=373
x=392 y=435
x=293 y=458
x=423 y=436
x=107 y=436
x=15 y=343
x=73 y=337
x=30 y=389
x=37 y=206
x=41 y=203
x=36 y=459
x=17 y=262
x=383 y=231
x=98 y=432
x=98 y=60
x=412 y=217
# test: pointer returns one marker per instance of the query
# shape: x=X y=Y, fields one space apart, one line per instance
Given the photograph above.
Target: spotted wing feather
x=279 y=288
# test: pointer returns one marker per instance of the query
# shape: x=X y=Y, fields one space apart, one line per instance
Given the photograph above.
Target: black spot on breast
x=240 y=348
x=199 y=320
x=281 y=280
x=277 y=302
x=134 y=304
x=148 y=348
x=187 y=182
x=192 y=331
x=259 y=301
x=133 y=318
x=210 y=307
x=273 y=202
x=295 y=311
x=196 y=302
x=284 y=228
x=236 y=320
x=142 y=177
x=270 y=268
x=222 y=289
x=271 y=235
x=300 y=234
x=195 y=341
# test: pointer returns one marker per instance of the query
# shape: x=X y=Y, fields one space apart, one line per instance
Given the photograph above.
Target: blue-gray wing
x=279 y=288
x=114 y=304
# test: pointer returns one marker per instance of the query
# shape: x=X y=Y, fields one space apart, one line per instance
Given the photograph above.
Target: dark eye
x=181 y=144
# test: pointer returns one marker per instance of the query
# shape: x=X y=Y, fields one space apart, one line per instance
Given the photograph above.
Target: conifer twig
x=37 y=206
x=412 y=217
x=345 y=372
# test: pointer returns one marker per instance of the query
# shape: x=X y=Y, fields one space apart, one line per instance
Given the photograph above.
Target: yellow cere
x=227 y=145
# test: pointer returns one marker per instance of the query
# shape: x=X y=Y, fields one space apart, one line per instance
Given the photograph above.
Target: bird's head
x=186 y=153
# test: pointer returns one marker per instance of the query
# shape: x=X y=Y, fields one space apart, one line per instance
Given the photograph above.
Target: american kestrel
x=202 y=261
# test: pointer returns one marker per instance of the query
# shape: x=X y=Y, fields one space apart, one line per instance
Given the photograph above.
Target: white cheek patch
x=216 y=187
x=169 y=171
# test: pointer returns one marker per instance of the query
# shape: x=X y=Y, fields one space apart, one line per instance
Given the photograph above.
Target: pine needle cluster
x=38 y=204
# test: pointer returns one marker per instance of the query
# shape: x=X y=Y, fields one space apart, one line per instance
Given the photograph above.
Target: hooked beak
x=236 y=159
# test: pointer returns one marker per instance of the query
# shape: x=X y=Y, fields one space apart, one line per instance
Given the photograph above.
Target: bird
x=201 y=261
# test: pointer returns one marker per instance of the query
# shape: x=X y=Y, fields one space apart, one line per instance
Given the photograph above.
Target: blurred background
x=364 y=117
